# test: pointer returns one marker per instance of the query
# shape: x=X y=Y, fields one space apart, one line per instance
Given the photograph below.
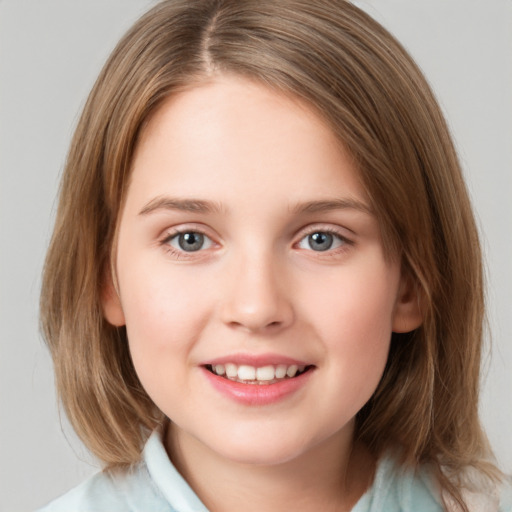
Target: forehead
x=232 y=136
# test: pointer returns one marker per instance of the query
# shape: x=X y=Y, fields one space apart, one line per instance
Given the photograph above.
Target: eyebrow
x=202 y=206
x=330 y=205
x=187 y=205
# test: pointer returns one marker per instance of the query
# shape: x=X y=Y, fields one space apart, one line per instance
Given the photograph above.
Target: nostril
x=256 y=311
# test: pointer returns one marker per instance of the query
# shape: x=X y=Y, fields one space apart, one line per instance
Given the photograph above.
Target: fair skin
x=247 y=240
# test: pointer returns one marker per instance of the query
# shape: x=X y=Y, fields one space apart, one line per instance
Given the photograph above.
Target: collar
x=167 y=478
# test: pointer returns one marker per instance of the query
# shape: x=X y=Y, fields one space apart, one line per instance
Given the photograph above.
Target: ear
x=111 y=303
x=408 y=313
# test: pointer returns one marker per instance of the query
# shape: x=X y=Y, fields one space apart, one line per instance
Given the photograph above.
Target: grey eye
x=191 y=241
x=321 y=241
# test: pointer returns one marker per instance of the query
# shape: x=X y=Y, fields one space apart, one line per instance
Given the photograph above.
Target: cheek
x=353 y=316
x=164 y=315
x=363 y=293
x=158 y=302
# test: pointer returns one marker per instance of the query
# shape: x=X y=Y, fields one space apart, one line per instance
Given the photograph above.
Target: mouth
x=258 y=375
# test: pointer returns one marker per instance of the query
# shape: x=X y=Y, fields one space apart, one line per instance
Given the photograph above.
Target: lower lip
x=257 y=394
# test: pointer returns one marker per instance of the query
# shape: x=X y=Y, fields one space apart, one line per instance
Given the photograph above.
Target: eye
x=189 y=241
x=321 y=241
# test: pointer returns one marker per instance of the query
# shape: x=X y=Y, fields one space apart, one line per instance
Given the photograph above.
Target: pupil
x=191 y=241
x=320 y=241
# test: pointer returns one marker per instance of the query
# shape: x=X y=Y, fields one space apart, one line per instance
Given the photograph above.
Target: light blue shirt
x=154 y=485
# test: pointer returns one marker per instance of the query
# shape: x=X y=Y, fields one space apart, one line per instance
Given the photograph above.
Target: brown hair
x=362 y=82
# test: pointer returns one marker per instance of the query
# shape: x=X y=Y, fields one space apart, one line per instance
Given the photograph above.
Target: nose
x=257 y=296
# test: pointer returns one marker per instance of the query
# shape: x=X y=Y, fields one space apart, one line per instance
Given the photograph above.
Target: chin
x=262 y=450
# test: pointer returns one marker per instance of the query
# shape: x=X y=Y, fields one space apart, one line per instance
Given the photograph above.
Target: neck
x=332 y=476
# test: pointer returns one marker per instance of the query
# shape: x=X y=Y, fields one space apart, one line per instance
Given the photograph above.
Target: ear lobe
x=408 y=313
x=111 y=303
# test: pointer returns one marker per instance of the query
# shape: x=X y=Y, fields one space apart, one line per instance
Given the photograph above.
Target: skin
x=257 y=286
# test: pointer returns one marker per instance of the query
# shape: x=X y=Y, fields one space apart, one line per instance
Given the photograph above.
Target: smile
x=268 y=374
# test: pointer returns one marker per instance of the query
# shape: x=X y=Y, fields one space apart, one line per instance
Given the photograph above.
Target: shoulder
x=153 y=484
x=121 y=491
x=488 y=498
x=395 y=488
x=398 y=489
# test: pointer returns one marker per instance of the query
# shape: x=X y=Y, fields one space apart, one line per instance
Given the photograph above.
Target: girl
x=264 y=287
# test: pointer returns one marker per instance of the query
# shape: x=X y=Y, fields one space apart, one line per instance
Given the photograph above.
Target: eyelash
x=345 y=242
x=181 y=254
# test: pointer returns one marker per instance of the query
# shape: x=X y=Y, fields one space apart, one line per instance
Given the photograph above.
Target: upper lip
x=256 y=360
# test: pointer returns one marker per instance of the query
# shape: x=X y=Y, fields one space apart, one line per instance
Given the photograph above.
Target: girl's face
x=257 y=299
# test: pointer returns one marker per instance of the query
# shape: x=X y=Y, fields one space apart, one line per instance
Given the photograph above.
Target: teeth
x=281 y=371
x=292 y=370
x=250 y=373
x=246 y=372
x=231 y=370
x=265 y=373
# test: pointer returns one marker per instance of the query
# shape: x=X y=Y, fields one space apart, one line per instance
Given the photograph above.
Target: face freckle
x=246 y=245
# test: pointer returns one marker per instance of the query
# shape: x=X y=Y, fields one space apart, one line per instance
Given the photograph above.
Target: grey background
x=50 y=54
